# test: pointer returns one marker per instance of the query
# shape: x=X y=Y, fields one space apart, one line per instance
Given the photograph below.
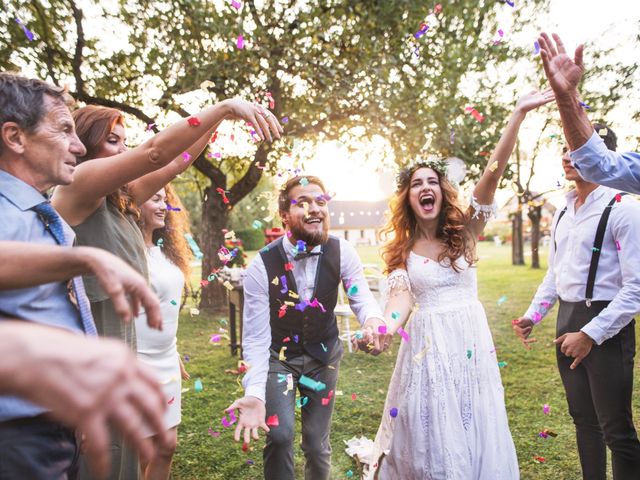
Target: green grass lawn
x=530 y=379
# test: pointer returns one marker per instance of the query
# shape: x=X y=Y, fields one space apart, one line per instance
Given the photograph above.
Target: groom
x=290 y=338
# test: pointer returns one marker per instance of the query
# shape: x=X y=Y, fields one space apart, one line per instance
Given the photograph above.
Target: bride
x=444 y=416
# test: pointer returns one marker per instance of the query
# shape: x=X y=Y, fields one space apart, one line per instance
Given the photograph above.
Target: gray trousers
x=599 y=396
x=316 y=417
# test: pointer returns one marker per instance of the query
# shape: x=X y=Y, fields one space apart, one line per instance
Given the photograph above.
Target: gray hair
x=22 y=100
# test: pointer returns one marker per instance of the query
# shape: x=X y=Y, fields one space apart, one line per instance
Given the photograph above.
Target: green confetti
x=469 y=352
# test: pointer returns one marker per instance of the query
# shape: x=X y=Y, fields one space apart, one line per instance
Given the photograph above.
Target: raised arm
x=93 y=180
x=488 y=183
x=28 y=264
x=564 y=75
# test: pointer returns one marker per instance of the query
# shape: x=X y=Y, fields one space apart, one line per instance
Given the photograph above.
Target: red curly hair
x=400 y=231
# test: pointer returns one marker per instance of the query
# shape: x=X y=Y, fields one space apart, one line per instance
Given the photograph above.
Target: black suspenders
x=597 y=245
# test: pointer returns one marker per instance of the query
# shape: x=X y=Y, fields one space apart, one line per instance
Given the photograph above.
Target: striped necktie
x=53 y=224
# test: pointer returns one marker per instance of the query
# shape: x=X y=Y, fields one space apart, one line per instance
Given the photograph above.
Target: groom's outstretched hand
x=522 y=327
x=373 y=341
x=251 y=417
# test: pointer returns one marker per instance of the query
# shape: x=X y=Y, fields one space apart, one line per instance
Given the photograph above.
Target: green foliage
x=252 y=239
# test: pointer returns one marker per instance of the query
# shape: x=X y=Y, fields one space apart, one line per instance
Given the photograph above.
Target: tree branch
x=76 y=63
x=213 y=173
x=254 y=13
x=105 y=102
x=49 y=51
x=318 y=126
x=251 y=178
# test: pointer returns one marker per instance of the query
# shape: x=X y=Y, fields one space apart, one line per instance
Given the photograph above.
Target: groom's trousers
x=315 y=407
x=599 y=396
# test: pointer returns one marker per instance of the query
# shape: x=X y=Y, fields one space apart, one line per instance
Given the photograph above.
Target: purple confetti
x=26 y=31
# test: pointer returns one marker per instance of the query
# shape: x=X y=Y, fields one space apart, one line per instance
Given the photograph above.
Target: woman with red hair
x=444 y=416
x=111 y=181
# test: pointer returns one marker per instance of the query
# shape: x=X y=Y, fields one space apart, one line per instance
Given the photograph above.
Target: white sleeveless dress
x=157 y=349
x=451 y=421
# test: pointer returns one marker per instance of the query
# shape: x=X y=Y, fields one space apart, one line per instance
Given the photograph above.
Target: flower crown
x=453 y=168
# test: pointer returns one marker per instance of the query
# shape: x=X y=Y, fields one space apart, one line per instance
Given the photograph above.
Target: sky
x=576 y=21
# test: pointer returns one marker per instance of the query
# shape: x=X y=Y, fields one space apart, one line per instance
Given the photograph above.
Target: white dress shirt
x=618 y=275
x=256 y=335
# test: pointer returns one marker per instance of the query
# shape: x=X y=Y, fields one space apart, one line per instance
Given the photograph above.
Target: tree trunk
x=535 y=214
x=215 y=217
x=517 y=240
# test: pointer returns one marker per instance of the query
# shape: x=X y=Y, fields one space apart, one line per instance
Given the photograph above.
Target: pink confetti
x=186 y=156
x=475 y=114
x=402 y=332
x=546 y=409
x=536 y=317
x=215 y=338
x=236 y=5
x=193 y=121
x=273 y=421
x=240 y=42
x=382 y=329
x=618 y=245
x=213 y=433
x=231 y=421
x=171 y=400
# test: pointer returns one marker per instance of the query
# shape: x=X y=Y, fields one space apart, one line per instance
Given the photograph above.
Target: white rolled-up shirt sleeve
x=625 y=228
x=597 y=164
x=256 y=329
x=363 y=304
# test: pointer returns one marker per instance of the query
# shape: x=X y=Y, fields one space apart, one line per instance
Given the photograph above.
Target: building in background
x=357 y=222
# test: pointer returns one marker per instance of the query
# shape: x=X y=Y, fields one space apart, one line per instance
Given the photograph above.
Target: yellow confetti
x=230 y=235
x=275 y=281
x=169 y=380
x=420 y=355
x=603 y=132
x=227 y=285
x=293 y=294
x=290 y=304
x=281 y=357
x=493 y=167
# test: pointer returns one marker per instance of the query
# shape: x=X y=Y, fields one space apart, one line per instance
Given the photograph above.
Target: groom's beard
x=312 y=239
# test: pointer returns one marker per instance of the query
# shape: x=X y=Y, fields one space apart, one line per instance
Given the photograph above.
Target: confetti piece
x=304 y=181
x=28 y=33
x=272 y=421
x=349 y=474
x=382 y=329
x=538 y=459
x=235 y=4
x=223 y=193
x=214 y=338
x=227 y=284
x=232 y=419
x=502 y=299
x=289 y=383
x=475 y=114
x=546 y=409
x=160 y=242
x=257 y=224
x=173 y=302
x=469 y=353
x=545 y=304
x=353 y=290
x=617 y=245
x=312 y=384
x=193 y=121
x=283 y=280
x=288 y=266
x=536 y=47
x=511 y=4
x=585 y=106
x=240 y=42
x=437 y=8
x=353 y=396
x=171 y=208
x=171 y=400
x=393 y=412
x=295 y=338
x=245 y=447
x=324 y=347
x=285 y=119
x=502 y=364
x=536 y=317
x=281 y=355
x=603 y=132
x=301 y=402
x=395 y=315
x=187 y=358
x=197 y=385
x=150 y=126
x=403 y=334
x=212 y=432
x=186 y=156
x=493 y=167
x=326 y=400
x=618 y=197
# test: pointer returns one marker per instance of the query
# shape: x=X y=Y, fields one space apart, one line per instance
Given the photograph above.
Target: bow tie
x=301 y=255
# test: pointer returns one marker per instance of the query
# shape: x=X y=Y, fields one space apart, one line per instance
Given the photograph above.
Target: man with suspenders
x=594 y=270
x=290 y=338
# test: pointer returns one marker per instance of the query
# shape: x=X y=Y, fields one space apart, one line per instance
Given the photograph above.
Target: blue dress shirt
x=597 y=164
x=48 y=304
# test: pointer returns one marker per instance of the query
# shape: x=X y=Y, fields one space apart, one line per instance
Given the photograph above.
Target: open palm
x=563 y=73
x=534 y=99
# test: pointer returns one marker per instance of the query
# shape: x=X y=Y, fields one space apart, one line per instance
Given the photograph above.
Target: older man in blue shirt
x=590 y=156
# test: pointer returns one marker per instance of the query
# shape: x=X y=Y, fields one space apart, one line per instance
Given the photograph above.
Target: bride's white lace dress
x=451 y=421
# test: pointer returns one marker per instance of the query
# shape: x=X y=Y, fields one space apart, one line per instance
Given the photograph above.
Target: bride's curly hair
x=401 y=229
